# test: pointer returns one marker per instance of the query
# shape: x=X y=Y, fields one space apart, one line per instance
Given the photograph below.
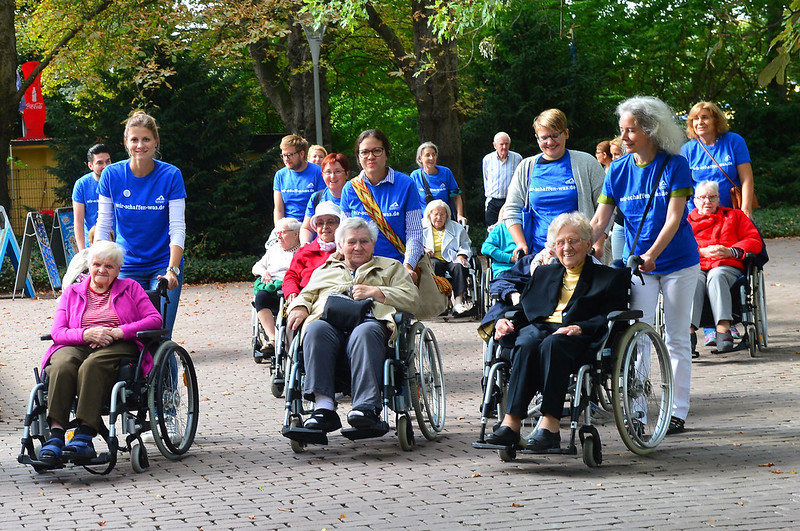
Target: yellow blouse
x=568 y=284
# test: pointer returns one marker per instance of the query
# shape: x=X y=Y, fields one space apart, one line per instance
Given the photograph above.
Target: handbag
x=736 y=191
x=434 y=290
x=344 y=313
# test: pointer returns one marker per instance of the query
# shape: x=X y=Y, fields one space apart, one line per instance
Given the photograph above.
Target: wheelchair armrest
x=401 y=317
x=46 y=337
x=625 y=315
x=512 y=314
x=152 y=334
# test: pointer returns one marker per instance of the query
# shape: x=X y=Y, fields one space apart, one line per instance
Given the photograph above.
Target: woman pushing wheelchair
x=95 y=325
x=563 y=314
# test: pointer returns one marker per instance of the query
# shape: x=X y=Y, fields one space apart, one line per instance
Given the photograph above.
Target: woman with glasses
x=717 y=154
x=556 y=181
x=390 y=197
x=335 y=172
x=668 y=250
x=294 y=184
x=724 y=236
x=437 y=182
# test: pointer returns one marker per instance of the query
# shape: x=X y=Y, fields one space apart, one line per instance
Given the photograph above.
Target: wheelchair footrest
x=304 y=435
x=355 y=434
x=487 y=446
x=25 y=459
x=569 y=450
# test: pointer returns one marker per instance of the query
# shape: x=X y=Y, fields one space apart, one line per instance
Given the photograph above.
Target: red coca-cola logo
x=35 y=111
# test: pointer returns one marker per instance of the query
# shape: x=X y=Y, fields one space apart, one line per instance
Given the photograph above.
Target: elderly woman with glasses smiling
x=389 y=198
x=724 y=236
x=556 y=181
x=335 y=172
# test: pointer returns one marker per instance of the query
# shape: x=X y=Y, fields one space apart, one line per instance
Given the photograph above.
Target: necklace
x=564 y=283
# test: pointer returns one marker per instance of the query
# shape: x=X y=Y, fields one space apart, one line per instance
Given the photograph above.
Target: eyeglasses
x=283 y=232
x=711 y=198
x=560 y=244
x=289 y=155
x=376 y=152
x=333 y=172
x=327 y=222
x=544 y=138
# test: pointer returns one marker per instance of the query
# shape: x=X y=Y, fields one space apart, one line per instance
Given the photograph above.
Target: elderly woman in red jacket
x=724 y=236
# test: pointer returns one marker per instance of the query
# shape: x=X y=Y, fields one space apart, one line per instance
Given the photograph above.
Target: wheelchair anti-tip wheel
x=172 y=400
x=428 y=398
x=641 y=388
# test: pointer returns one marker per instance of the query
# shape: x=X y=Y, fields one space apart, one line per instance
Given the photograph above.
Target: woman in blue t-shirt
x=335 y=172
x=395 y=195
x=440 y=180
x=145 y=199
x=716 y=154
x=557 y=181
x=666 y=243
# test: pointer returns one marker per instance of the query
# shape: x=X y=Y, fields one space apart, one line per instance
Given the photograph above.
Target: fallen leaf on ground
x=767 y=464
x=476 y=476
x=342 y=517
x=776 y=471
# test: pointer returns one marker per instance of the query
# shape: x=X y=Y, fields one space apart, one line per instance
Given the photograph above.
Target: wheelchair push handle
x=634 y=261
x=162 y=288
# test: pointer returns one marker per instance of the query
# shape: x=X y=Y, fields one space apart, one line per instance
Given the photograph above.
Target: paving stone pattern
x=736 y=467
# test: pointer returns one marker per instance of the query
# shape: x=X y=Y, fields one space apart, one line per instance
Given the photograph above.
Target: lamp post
x=314 y=36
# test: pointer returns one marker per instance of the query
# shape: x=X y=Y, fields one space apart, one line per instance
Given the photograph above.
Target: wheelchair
x=629 y=381
x=748 y=296
x=485 y=283
x=165 y=402
x=413 y=382
x=278 y=366
x=474 y=292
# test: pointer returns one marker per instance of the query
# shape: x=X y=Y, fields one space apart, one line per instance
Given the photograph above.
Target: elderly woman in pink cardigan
x=95 y=326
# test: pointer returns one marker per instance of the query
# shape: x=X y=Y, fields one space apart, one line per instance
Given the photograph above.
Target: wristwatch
x=174 y=269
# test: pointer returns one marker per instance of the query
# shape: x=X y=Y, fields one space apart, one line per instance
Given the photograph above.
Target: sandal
x=324 y=420
x=51 y=452
x=80 y=447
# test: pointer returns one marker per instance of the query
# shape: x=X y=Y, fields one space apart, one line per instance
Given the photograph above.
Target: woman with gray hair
x=437 y=182
x=95 y=326
x=563 y=314
x=448 y=245
x=650 y=186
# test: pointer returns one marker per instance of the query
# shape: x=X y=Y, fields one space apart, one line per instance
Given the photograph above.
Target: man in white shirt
x=498 y=169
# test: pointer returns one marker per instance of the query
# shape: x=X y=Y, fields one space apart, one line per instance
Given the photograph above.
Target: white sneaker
x=173 y=429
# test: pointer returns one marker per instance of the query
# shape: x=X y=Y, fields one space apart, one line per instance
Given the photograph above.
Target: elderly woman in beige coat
x=354 y=271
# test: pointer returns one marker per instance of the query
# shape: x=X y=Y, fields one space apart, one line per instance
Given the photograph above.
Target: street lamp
x=314 y=36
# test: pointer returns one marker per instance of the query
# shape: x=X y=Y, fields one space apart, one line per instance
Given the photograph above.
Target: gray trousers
x=717 y=282
x=365 y=350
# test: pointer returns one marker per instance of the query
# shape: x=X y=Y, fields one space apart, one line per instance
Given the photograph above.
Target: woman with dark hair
x=335 y=172
x=388 y=195
x=650 y=186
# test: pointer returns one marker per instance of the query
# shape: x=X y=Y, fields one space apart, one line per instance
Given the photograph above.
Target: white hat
x=325 y=208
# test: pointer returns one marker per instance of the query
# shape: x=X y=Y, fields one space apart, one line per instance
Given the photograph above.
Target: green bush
x=204 y=271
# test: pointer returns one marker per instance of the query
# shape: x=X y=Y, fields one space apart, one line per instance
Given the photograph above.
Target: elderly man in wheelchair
x=563 y=313
x=347 y=314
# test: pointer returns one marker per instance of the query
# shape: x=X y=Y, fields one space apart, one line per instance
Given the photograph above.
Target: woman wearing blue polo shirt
x=558 y=180
x=440 y=180
x=666 y=244
x=395 y=194
x=713 y=149
x=145 y=199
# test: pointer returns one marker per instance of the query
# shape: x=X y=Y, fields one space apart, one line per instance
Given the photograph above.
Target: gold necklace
x=564 y=283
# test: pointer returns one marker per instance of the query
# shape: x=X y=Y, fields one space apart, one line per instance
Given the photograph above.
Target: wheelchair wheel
x=405 y=433
x=642 y=388
x=139 y=459
x=659 y=324
x=507 y=455
x=760 y=310
x=589 y=456
x=297 y=446
x=428 y=398
x=752 y=340
x=486 y=280
x=258 y=338
x=172 y=400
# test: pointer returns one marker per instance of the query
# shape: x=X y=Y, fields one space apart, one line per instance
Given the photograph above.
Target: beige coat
x=335 y=277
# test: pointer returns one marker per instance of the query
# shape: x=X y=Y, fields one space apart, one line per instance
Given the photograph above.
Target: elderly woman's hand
x=462 y=260
x=570 y=330
x=715 y=251
x=296 y=317
x=503 y=327
x=362 y=291
x=99 y=336
x=411 y=272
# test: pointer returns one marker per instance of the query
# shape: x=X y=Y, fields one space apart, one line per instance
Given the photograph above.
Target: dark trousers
x=543 y=361
x=264 y=299
x=458 y=274
x=493 y=210
x=89 y=374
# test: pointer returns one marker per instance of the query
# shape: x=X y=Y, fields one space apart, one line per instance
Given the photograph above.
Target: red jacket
x=307 y=258
x=728 y=227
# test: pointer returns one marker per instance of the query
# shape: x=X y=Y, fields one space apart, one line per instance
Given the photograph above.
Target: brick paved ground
x=241 y=473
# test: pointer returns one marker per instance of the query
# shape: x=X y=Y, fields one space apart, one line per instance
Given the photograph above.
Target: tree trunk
x=9 y=104
x=292 y=95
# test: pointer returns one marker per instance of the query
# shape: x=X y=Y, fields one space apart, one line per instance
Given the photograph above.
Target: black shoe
x=362 y=418
x=693 y=341
x=323 y=420
x=676 y=425
x=503 y=436
x=544 y=440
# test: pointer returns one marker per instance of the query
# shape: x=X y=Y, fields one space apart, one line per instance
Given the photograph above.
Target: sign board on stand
x=35 y=230
x=62 y=236
x=10 y=249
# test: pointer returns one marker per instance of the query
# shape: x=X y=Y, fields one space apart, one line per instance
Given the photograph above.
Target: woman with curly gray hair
x=650 y=185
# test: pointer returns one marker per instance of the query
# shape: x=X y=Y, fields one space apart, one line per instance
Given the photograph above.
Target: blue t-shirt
x=394 y=200
x=326 y=196
x=85 y=191
x=296 y=188
x=141 y=211
x=729 y=151
x=443 y=185
x=628 y=187
x=551 y=191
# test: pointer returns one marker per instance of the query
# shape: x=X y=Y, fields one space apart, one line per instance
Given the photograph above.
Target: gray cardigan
x=588 y=174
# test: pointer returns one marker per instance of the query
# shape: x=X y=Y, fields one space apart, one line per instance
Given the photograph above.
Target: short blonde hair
x=720 y=120
x=554 y=119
